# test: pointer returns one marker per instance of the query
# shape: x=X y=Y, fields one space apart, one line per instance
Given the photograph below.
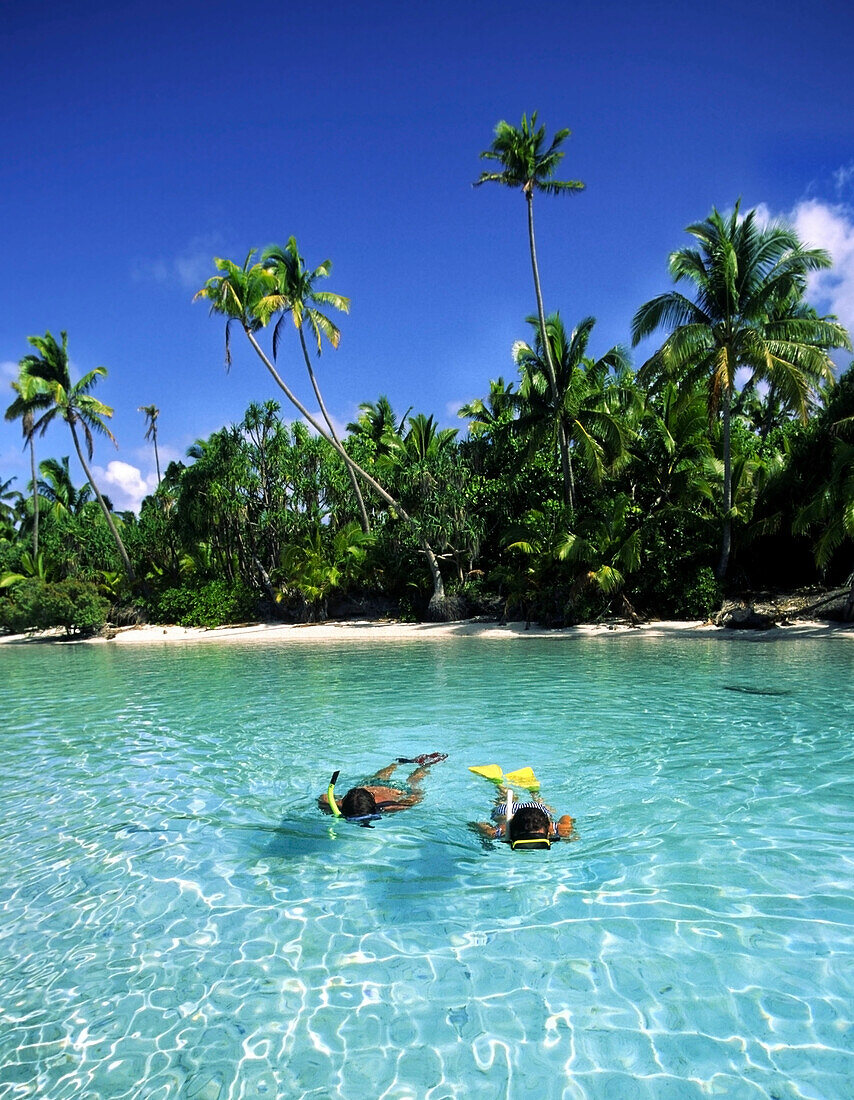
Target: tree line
x=578 y=488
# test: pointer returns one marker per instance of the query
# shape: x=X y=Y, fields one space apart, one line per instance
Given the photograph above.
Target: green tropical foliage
x=746 y=313
x=576 y=489
x=528 y=164
x=60 y=398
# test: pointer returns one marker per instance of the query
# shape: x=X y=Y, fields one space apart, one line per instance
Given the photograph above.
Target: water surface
x=178 y=920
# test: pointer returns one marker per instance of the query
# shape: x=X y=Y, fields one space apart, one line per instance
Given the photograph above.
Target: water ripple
x=179 y=921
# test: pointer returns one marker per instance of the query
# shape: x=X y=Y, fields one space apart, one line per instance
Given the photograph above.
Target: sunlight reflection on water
x=179 y=920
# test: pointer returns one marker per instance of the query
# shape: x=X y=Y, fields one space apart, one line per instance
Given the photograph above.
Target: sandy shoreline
x=389 y=630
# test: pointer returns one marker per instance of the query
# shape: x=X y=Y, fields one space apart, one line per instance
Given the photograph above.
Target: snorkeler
x=374 y=797
x=529 y=824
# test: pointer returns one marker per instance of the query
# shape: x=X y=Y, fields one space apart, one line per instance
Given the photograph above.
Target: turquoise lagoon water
x=178 y=920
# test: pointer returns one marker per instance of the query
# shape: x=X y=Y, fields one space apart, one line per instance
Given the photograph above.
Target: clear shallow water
x=178 y=920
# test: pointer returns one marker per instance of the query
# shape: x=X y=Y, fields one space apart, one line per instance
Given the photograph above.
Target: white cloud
x=831 y=227
x=843 y=179
x=8 y=369
x=124 y=484
x=189 y=269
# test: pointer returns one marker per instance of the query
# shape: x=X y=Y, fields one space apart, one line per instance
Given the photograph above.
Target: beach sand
x=386 y=630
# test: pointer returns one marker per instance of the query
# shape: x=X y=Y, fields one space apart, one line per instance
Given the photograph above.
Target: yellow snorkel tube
x=330 y=794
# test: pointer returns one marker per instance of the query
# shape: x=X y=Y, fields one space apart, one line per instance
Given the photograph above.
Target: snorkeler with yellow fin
x=522 y=777
x=524 y=825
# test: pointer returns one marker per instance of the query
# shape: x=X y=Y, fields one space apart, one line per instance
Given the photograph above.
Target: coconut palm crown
x=748 y=280
x=73 y=403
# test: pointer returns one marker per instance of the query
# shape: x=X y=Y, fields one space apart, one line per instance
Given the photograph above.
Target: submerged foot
x=425 y=760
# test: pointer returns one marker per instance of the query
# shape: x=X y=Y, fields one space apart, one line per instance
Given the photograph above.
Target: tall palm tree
x=250 y=296
x=747 y=279
x=528 y=164
x=31 y=396
x=574 y=410
x=73 y=403
x=151 y=414
x=301 y=300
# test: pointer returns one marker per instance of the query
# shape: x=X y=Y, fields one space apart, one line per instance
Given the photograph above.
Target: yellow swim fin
x=488 y=771
x=523 y=777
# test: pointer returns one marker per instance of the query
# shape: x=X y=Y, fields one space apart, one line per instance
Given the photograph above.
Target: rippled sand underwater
x=178 y=920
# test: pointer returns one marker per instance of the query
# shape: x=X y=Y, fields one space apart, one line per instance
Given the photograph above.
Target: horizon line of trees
x=582 y=486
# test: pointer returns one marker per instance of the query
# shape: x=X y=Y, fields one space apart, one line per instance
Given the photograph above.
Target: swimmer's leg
x=384 y=773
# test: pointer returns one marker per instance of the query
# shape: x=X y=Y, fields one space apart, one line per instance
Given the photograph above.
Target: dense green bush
x=213 y=604
x=700 y=597
x=73 y=605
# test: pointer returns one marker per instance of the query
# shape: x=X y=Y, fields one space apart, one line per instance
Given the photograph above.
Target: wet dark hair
x=528 y=823
x=358 y=802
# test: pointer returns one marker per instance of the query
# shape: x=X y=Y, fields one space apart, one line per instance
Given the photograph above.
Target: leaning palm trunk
x=35 y=499
x=726 y=538
x=563 y=442
x=848 y=610
x=438 y=600
x=360 y=500
x=114 y=531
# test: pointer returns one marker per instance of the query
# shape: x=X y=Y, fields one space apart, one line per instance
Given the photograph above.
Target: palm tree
x=31 y=396
x=250 y=296
x=574 y=410
x=73 y=403
x=151 y=414
x=9 y=499
x=320 y=563
x=58 y=490
x=831 y=511
x=526 y=163
x=747 y=279
x=425 y=439
x=301 y=300
x=379 y=425
x=486 y=415
x=675 y=453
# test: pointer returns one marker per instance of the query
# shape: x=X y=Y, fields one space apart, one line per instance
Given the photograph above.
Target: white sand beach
x=386 y=630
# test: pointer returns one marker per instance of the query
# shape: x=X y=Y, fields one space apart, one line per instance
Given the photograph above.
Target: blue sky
x=142 y=139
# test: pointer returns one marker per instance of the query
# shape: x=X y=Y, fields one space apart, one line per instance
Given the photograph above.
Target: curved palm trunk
x=360 y=500
x=156 y=455
x=726 y=539
x=114 y=531
x=563 y=442
x=35 y=499
x=438 y=596
x=569 y=476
